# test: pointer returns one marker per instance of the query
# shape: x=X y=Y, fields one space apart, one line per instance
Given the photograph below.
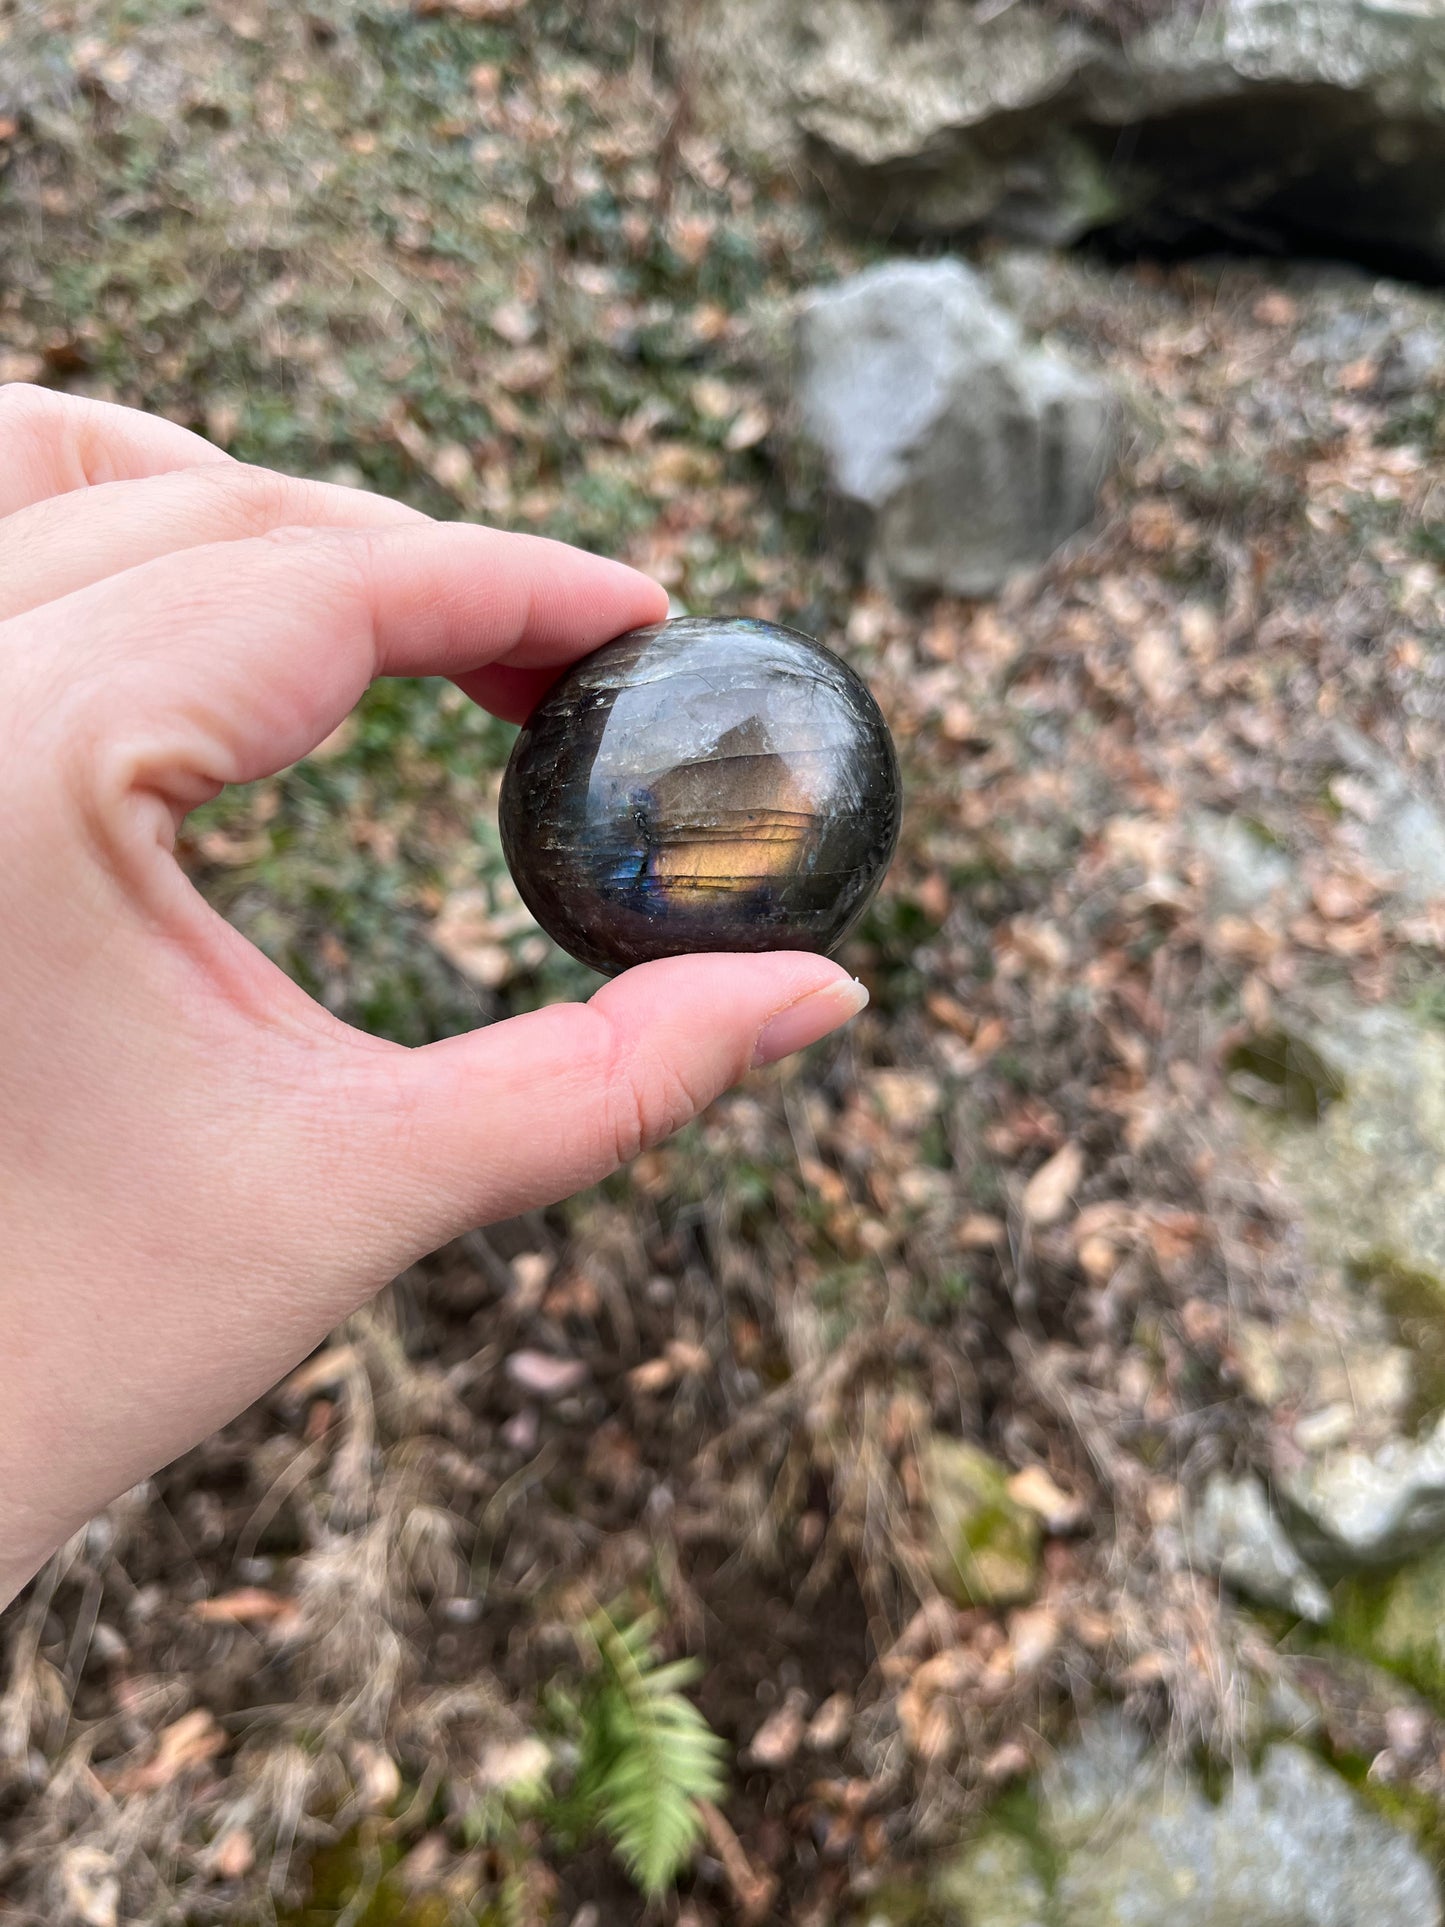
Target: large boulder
x=959 y=453
x=1317 y=123
x=1126 y=1836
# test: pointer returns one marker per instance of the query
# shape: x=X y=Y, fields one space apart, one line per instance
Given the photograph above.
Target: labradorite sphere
x=719 y=784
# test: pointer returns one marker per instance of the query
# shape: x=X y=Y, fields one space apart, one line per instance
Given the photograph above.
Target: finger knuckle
x=26 y=412
x=647 y=1099
x=258 y=499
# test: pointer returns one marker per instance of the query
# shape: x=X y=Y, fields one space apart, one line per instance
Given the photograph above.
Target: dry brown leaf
x=1276 y=310
x=907 y=1099
x=1173 y=1235
x=470 y=9
x=829 y=1726
x=651 y=1376
x=1010 y=1761
x=990 y=1038
x=979 y=1231
x=514 y=321
x=1341 y=898
x=543 y=1375
x=947 y=1011
x=1050 y=1190
x=751 y=426
x=1098 y=1257
x=525 y=372
x=15 y=365
x=376 y=1776
x=248 y=1606
x=332 y=1367
x=189 y=1742
x=90 y=1886
x=233 y=1855
x=1034 y=1633
x=1036 y=1489
x=466 y=935
x=713 y=398
x=777 y=1740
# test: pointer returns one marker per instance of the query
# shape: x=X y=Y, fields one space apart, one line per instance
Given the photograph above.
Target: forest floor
x=474 y=254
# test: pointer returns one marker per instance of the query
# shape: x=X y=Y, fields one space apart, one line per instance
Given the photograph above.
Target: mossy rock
x=1124 y=1836
x=1398 y=1621
x=983 y=1545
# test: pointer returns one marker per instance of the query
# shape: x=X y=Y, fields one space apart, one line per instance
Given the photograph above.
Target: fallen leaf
x=1010 y=1761
x=513 y=321
x=907 y=1099
x=1341 y=898
x=713 y=399
x=525 y=372
x=507 y=1764
x=545 y=1376
x=1048 y=1193
x=750 y=427
x=653 y=1375
x=470 y=9
x=1035 y=1489
x=1033 y=1634
x=980 y=1231
x=334 y=1366
x=1098 y=1257
x=90 y=1885
x=17 y=366
x=781 y=1734
x=1276 y=310
x=466 y=935
x=375 y=1775
x=233 y=1855
x=247 y=1606
x=829 y=1726
x=187 y=1743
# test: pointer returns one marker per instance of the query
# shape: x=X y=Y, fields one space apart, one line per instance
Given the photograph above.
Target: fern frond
x=648 y=1755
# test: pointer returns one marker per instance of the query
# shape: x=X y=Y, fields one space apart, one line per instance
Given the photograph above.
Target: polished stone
x=703 y=784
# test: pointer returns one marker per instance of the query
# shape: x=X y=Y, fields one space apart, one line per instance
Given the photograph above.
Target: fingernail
x=809 y=1019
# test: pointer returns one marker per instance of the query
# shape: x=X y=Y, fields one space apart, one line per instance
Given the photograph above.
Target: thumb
x=527 y=1111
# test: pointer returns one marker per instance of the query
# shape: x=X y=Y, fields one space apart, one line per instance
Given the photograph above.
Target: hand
x=202 y=1171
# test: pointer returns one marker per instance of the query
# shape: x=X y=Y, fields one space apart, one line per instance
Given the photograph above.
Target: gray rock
x=1247 y=871
x=1394 y=828
x=1317 y=122
x=1369 y=1178
x=1236 y=1535
x=1351 y=1510
x=961 y=453
x=1131 y=1840
x=1367 y=1185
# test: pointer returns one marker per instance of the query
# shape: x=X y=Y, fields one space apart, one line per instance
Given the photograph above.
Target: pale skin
x=201 y=1170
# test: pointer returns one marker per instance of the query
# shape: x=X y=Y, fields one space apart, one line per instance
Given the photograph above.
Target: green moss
x=1415 y=1300
x=984 y=1546
x=361 y=1868
x=1282 y=1074
x=1397 y=1621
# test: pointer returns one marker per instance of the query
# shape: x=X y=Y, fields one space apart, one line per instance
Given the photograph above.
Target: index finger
x=51 y=444
x=227 y=662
